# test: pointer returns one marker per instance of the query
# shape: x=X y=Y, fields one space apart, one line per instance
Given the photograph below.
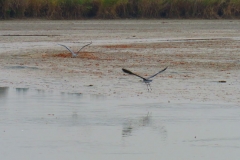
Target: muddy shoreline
x=200 y=54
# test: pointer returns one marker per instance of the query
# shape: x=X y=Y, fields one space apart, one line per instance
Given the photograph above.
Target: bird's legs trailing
x=148 y=86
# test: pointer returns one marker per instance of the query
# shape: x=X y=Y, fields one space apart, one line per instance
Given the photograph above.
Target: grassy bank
x=81 y=9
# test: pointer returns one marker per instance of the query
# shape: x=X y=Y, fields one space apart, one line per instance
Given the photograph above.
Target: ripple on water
x=99 y=127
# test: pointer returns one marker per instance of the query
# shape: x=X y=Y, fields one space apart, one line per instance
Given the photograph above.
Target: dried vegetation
x=109 y=9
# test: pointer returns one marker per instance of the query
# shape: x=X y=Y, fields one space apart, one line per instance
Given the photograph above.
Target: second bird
x=74 y=55
x=145 y=80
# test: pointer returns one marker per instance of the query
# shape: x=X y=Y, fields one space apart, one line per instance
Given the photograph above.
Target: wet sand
x=200 y=54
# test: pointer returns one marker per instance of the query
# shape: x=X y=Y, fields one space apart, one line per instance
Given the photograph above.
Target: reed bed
x=111 y=9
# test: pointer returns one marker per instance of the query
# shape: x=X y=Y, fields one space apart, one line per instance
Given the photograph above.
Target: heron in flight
x=74 y=55
x=147 y=80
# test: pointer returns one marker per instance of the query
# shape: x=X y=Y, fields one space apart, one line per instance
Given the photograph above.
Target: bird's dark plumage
x=145 y=80
x=129 y=72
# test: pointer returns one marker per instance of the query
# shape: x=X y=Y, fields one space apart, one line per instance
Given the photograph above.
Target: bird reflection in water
x=143 y=121
x=135 y=124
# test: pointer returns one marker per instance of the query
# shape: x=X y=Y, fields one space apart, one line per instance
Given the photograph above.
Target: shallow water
x=36 y=124
x=5 y=47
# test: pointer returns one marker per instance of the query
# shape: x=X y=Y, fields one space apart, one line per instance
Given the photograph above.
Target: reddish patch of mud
x=63 y=55
x=153 y=45
x=178 y=44
x=87 y=55
x=121 y=46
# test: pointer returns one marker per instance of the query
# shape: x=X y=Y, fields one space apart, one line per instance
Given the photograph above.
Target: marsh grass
x=80 y=9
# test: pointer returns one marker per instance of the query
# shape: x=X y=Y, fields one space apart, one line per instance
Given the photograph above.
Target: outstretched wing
x=84 y=46
x=157 y=73
x=68 y=49
x=129 y=72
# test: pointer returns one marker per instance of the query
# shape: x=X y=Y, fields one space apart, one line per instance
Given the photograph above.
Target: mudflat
x=203 y=58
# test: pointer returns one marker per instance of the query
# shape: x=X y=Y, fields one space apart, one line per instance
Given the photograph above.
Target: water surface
x=38 y=124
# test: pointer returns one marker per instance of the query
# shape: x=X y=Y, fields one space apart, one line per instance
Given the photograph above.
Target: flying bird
x=74 y=55
x=147 y=80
